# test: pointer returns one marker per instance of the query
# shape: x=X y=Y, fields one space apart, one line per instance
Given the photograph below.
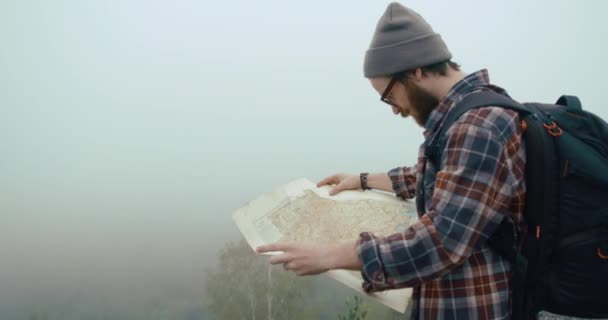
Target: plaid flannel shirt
x=445 y=255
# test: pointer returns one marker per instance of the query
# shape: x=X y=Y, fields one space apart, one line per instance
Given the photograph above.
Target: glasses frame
x=387 y=91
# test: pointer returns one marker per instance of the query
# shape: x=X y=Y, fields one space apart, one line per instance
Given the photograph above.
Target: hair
x=440 y=68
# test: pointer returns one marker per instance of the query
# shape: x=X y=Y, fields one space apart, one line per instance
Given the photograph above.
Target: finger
x=307 y=272
x=273 y=247
x=329 y=180
x=337 y=189
x=291 y=265
x=301 y=272
x=282 y=258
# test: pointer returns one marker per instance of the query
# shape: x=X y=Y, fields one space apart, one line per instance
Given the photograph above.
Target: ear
x=417 y=74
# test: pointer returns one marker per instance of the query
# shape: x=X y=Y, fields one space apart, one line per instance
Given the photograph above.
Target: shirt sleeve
x=404 y=181
x=472 y=193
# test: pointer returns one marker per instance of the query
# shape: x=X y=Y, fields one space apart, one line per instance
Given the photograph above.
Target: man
x=445 y=256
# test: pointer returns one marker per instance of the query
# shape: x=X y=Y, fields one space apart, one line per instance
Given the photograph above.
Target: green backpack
x=562 y=264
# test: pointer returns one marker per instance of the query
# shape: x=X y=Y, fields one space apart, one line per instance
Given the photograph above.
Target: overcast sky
x=131 y=130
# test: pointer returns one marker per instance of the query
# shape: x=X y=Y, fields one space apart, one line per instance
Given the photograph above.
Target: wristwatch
x=363 y=177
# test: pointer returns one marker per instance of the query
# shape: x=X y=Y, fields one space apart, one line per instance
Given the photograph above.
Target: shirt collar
x=468 y=84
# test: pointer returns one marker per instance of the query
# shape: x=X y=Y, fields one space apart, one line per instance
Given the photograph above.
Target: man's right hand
x=342 y=181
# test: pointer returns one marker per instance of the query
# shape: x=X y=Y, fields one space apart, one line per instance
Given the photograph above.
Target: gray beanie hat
x=402 y=41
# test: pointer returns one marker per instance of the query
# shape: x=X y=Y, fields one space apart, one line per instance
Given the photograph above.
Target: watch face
x=363 y=176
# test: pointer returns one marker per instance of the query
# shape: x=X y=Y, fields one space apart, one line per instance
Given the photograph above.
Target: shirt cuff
x=403 y=180
x=372 y=271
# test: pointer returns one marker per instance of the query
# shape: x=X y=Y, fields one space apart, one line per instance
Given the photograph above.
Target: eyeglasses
x=387 y=91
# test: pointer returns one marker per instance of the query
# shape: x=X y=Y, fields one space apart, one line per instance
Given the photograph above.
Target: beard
x=422 y=103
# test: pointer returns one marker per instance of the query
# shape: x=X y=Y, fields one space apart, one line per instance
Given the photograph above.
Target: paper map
x=299 y=211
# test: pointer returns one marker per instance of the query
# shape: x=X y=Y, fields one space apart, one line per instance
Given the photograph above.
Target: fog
x=131 y=130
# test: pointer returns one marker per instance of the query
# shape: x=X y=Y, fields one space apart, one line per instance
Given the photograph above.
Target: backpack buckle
x=553 y=129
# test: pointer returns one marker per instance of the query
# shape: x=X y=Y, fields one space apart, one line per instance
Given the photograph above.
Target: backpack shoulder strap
x=479 y=100
x=472 y=101
x=503 y=240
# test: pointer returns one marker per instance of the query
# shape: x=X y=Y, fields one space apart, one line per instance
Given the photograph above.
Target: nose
x=395 y=110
